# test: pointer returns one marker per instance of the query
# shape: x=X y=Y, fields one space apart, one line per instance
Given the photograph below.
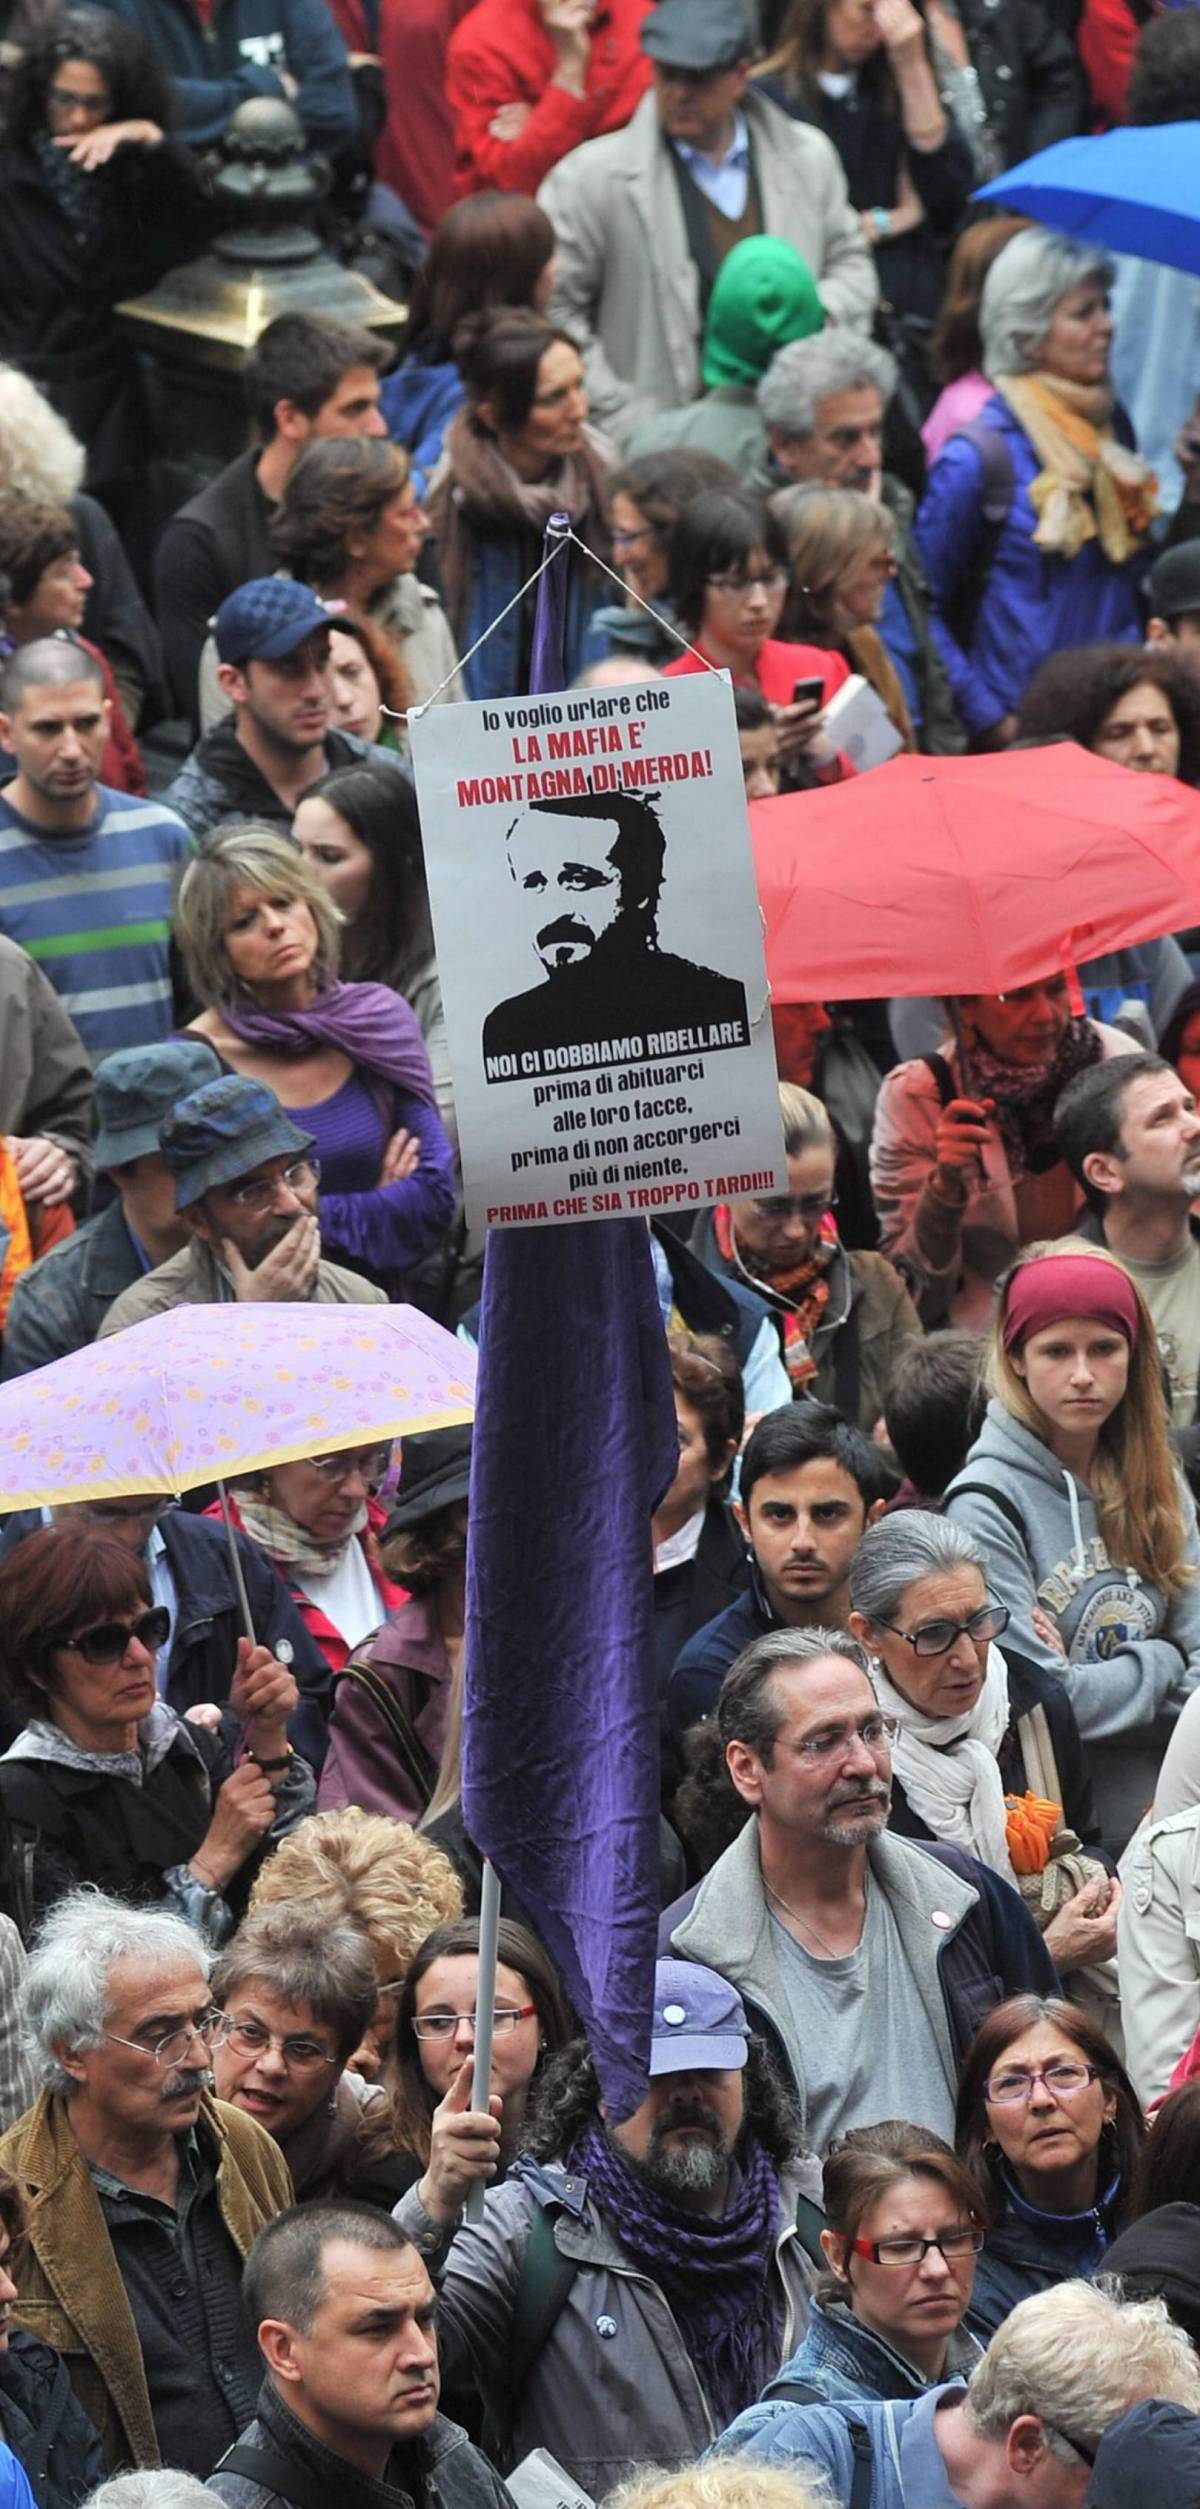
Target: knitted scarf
x=949 y=1766
x=714 y=2275
x=289 y=1545
x=1090 y=487
x=801 y=1293
x=1025 y=1095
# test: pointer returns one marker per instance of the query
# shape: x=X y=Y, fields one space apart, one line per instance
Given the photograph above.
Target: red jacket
x=330 y=1640
x=776 y=672
x=1107 y=40
x=415 y=149
x=500 y=55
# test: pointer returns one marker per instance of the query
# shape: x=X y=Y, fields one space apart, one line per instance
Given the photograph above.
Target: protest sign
x=600 y=949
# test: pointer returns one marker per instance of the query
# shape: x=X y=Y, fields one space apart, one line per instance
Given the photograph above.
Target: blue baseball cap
x=269 y=617
x=223 y=1132
x=700 y=2023
x=138 y=1086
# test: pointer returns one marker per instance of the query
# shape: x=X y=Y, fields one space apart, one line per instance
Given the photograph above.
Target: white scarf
x=949 y=1769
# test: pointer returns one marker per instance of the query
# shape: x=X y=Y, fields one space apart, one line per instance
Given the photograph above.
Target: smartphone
x=808 y=692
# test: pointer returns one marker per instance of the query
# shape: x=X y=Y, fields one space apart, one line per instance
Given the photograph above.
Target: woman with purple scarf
x=260 y=938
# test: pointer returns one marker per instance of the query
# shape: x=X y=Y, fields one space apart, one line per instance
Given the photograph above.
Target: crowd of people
x=909 y=2209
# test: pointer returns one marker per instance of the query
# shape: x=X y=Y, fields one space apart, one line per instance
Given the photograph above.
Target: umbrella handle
x=960 y=1048
x=485 y=2002
x=235 y=1562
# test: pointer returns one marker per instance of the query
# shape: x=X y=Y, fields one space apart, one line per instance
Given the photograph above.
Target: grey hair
x=805 y=373
x=747 y=1710
x=895 y=1552
x=1024 y=285
x=64 y=1994
x=150 y=2487
x=1077 y=2358
x=245 y=854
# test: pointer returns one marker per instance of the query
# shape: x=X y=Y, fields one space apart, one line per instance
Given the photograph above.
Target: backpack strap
x=543 y=2284
x=862 y=2479
x=999 y=485
x=810 y=2222
x=847 y=1366
x=261 y=2462
x=410 y=1750
x=1007 y=1506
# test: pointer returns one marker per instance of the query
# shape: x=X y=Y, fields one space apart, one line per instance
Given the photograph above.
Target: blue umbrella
x=1131 y=191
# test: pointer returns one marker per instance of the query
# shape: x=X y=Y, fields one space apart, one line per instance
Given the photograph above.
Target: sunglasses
x=108 y=1640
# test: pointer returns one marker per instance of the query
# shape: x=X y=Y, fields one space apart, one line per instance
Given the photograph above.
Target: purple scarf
x=714 y=2275
x=367 y=1022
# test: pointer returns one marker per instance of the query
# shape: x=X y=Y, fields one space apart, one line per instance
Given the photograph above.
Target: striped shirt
x=93 y=907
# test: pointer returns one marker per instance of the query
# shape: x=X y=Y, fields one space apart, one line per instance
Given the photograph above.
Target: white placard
x=600 y=950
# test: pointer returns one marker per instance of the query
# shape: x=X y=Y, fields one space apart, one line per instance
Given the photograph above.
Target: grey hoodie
x=1133 y=1652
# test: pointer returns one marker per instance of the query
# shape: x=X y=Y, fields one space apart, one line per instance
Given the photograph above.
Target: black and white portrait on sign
x=587 y=876
x=600 y=949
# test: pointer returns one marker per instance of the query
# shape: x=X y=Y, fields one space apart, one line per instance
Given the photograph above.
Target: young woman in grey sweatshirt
x=1089 y=1528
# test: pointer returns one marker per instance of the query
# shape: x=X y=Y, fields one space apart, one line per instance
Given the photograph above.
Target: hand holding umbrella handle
x=263 y=1693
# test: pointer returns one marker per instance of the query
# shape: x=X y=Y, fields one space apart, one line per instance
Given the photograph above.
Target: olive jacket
x=69 y=2286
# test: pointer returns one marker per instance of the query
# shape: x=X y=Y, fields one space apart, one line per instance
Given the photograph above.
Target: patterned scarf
x=289 y=1545
x=714 y=2275
x=1090 y=486
x=1025 y=1095
x=800 y=1293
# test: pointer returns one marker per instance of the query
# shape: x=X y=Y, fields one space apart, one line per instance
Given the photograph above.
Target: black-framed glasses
x=794 y=1206
x=212 y=2030
x=771 y=578
x=1063 y=2081
x=300 y=2055
x=936 y=1637
x=258 y=1192
x=952 y=2244
x=442 y=2025
x=108 y=1640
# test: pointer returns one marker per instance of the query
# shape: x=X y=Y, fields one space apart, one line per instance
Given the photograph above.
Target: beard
x=861 y=1826
x=683 y=2171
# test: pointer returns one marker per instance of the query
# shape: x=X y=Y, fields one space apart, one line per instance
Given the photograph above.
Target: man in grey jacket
x=869 y=1960
x=344 y=2311
x=644 y=216
x=656 y=2260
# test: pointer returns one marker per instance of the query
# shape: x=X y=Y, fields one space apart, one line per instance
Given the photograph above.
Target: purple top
x=380 y=1229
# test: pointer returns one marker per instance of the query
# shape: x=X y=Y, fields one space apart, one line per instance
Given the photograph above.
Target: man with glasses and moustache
x=247 y=1186
x=868 y=1960
x=146 y=2193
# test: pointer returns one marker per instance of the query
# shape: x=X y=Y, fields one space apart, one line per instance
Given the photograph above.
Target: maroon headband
x=1058 y=1285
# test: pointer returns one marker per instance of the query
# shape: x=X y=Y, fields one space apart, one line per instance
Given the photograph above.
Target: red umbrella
x=970 y=875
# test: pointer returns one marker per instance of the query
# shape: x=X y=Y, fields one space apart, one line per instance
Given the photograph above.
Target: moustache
x=686 y=2113
x=566 y=929
x=180 y=2086
x=875 y=1787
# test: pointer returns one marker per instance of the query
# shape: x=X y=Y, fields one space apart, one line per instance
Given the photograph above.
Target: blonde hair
x=397 y=1887
x=806 y=1124
x=1139 y=1502
x=1078 y=2357
x=40 y=459
x=828 y=532
x=719 y=2483
x=246 y=854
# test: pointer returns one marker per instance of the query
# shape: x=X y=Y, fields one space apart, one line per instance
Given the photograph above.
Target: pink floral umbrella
x=202 y=1393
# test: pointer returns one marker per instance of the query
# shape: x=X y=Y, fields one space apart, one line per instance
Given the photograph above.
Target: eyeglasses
x=299 y=2055
x=108 y=1641
x=258 y=1193
x=794 y=1206
x=878 y=1733
x=952 y=2244
x=368 y=1463
x=212 y=2030
x=1015 y=2082
x=442 y=2025
x=102 y=1511
x=69 y=100
x=936 y=1637
x=772 y=579
x=629 y=539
